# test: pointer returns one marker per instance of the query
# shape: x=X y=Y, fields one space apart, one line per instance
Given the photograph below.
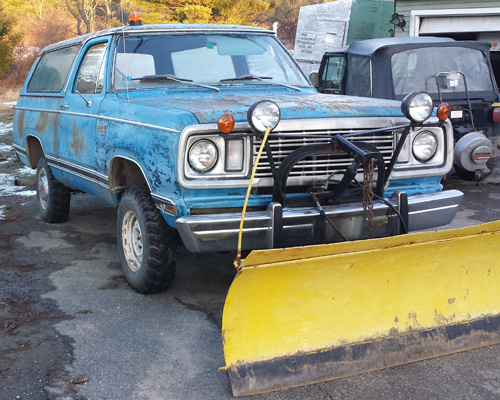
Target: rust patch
x=41 y=125
x=20 y=125
x=451 y=301
x=313 y=367
x=55 y=131
x=77 y=144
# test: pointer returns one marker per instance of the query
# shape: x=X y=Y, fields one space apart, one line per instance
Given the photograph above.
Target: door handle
x=64 y=107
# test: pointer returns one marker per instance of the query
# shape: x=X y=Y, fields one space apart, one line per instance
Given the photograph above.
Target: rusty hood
x=206 y=106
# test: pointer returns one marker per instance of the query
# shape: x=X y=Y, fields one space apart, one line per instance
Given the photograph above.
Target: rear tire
x=147 y=245
x=53 y=197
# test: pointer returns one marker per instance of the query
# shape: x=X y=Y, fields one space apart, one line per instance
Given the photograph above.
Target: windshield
x=416 y=69
x=152 y=60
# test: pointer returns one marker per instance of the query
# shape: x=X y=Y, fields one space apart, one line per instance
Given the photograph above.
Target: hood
x=207 y=106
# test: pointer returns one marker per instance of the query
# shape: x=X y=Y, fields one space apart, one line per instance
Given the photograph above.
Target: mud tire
x=147 y=245
x=53 y=197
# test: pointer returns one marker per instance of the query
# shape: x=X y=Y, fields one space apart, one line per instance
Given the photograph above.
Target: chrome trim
x=102 y=117
x=79 y=171
x=219 y=232
x=435 y=167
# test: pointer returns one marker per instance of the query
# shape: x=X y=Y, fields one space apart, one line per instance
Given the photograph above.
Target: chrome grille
x=318 y=167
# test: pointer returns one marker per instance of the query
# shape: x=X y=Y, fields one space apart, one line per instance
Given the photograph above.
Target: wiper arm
x=247 y=77
x=167 y=77
x=162 y=77
x=251 y=77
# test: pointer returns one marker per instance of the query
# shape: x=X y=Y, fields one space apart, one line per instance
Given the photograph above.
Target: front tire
x=147 y=245
x=53 y=197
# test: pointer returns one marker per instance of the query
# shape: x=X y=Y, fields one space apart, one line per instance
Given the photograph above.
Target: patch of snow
x=7 y=187
x=10 y=103
x=2 y=215
x=7 y=160
x=4 y=148
x=26 y=171
x=6 y=127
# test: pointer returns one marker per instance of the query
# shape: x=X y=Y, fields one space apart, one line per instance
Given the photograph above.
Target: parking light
x=226 y=123
x=443 y=111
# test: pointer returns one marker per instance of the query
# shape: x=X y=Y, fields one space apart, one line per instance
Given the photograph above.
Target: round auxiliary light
x=425 y=146
x=203 y=155
x=264 y=114
x=417 y=107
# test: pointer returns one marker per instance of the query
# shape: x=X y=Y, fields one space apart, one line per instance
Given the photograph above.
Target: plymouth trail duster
x=165 y=122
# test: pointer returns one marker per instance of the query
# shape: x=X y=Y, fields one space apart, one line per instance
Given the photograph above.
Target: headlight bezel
x=195 y=163
x=420 y=155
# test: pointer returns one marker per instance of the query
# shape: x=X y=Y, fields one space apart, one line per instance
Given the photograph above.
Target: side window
x=90 y=78
x=333 y=74
x=359 y=83
x=52 y=70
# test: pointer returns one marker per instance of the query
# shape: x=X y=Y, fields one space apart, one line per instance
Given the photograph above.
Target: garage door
x=434 y=25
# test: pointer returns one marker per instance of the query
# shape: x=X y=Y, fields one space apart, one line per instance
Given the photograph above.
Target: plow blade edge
x=309 y=314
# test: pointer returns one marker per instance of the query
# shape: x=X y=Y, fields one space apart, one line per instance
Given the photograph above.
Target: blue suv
x=166 y=122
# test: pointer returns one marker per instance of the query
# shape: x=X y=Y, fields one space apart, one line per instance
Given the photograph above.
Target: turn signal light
x=226 y=123
x=443 y=111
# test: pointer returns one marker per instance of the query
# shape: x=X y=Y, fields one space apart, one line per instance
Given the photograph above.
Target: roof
x=172 y=28
x=371 y=46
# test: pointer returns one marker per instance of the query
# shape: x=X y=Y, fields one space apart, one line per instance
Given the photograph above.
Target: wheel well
x=123 y=174
x=34 y=150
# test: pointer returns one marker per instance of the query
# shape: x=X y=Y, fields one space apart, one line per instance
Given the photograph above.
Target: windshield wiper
x=167 y=77
x=251 y=77
x=247 y=77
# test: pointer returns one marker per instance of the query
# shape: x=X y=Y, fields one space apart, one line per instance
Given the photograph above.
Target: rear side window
x=52 y=70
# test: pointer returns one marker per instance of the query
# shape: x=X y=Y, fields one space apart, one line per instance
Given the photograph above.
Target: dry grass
x=8 y=95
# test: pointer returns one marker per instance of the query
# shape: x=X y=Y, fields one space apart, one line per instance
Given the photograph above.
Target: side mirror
x=314 y=78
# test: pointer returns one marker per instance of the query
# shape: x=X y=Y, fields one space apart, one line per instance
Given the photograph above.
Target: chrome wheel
x=132 y=241
x=52 y=196
x=147 y=245
x=43 y=188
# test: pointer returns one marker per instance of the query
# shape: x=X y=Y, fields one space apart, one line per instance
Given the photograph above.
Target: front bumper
x=305 y=226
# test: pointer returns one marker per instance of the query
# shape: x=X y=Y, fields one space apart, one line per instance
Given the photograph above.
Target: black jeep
x=456 y=72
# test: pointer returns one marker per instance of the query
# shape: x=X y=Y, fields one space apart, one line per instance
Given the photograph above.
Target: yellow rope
x=237 y=261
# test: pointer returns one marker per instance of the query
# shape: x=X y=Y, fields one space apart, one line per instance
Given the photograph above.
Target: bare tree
x=77 y=9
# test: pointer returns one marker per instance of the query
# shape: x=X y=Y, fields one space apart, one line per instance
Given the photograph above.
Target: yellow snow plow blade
x=309 y=314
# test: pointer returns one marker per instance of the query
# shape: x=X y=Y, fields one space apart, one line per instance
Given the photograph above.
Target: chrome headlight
x=264 y=114
x=203 y=155
x=425 y=146
x=417 y=107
